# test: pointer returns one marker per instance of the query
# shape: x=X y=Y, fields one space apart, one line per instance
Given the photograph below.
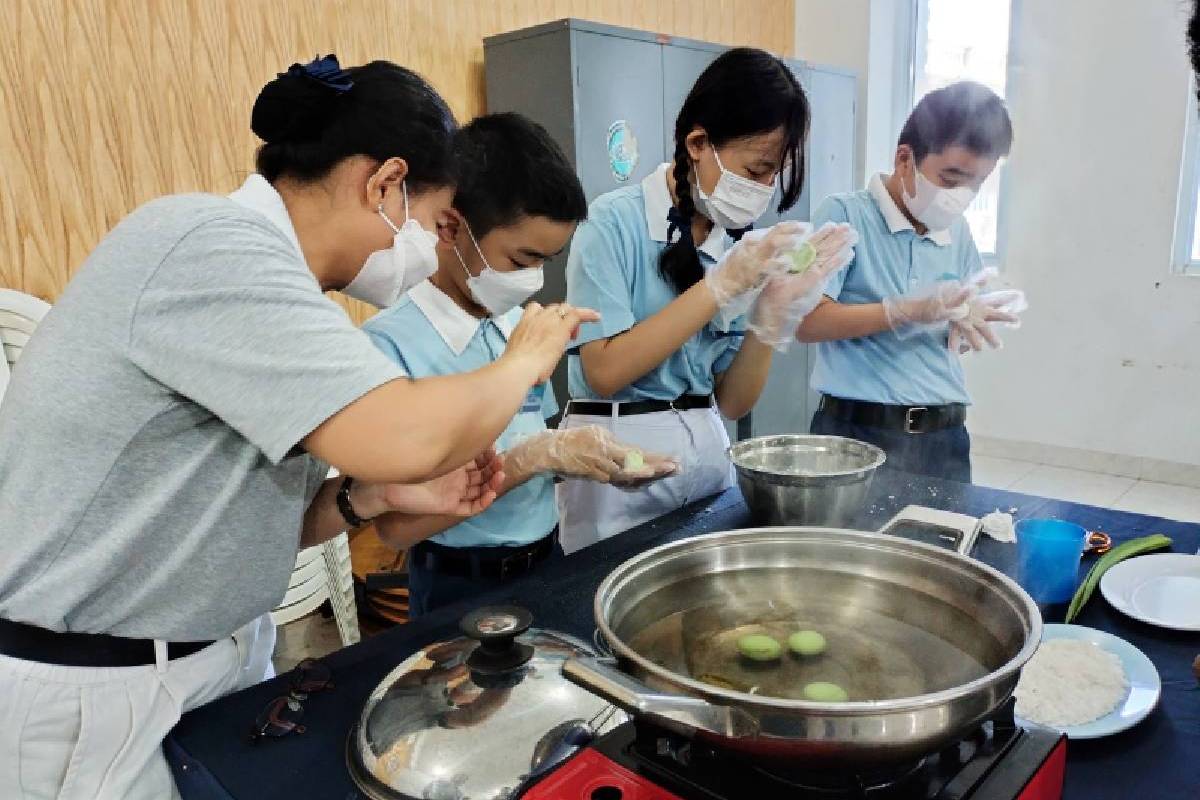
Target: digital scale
x=946 y=529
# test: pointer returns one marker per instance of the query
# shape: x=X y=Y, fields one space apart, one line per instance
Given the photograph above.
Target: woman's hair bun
x=315 y=116
x=298 y=104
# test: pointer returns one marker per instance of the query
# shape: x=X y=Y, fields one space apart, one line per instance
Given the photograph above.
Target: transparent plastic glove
x=934 y=306
x=826 y=250
x=749 y=263
x=789 y=297
x=635 y=474
x=737 y=307
x=984 y=314
x=588 y=452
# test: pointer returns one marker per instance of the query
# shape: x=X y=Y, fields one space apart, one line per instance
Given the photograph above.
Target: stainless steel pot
x=926 y=642
x=798 y=479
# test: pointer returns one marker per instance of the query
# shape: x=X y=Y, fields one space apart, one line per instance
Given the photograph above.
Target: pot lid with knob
x=478 y=717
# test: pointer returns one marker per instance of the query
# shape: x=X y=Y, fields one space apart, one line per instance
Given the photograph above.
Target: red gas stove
x=639 y=761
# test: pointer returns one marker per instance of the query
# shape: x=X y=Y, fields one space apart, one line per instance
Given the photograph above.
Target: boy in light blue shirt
x=517 y=203
x=884 y=368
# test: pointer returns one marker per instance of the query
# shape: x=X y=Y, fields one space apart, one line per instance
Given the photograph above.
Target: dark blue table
x=1160 y=758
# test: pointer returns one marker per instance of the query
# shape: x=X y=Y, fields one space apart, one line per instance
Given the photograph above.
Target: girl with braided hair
x=667 y=265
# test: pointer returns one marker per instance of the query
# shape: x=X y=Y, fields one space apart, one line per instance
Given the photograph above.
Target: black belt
x=500 y=563
x=72 y=649
x=601 y=408
x=910 y=419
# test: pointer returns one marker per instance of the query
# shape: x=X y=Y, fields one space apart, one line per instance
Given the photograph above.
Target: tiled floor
x=311 y=636
x=1093 y=488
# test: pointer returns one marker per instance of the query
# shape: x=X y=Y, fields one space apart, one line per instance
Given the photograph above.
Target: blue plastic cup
x=1048 y=555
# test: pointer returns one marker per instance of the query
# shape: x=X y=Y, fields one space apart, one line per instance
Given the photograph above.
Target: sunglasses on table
x=282 y=715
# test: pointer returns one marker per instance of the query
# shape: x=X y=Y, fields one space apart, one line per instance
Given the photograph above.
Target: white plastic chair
x=20 y=314
x=322 y=573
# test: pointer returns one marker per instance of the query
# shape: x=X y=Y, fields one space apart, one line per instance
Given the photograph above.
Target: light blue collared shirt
x=891 y=259
x=428 y=334
x=613 y=268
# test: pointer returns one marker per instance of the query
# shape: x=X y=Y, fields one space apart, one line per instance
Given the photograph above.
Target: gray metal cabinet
x=580 y=78
x=611 y=76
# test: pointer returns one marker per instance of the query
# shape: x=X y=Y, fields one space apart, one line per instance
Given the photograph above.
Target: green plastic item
x=802 y=258
x=806 y=643
x=634 y=460
x=821 y=692
x=759 y=647
x=1134 y=547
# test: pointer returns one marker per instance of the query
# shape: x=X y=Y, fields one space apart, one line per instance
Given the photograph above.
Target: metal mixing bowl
x=798 y=479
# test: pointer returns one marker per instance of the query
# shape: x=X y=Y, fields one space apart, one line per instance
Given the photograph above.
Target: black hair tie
x=325 y=71
x=679 y=223
x=737 y=233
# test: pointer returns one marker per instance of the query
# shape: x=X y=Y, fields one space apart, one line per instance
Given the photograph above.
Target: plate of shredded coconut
x=1086 y=683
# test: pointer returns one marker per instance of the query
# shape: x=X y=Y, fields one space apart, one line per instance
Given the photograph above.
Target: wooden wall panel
x=105 y=104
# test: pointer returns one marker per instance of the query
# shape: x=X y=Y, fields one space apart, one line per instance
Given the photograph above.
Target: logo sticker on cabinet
x=622 y=150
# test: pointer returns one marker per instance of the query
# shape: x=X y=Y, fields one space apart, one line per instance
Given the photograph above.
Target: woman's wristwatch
x=346 y=507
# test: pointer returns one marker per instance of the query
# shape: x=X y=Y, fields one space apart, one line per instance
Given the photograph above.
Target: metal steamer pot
x=925 y=642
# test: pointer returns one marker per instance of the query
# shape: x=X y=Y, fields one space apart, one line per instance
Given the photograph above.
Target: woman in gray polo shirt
x=165 y=439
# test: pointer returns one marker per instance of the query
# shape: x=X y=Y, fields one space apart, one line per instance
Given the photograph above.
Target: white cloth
x=78 y=733
x=999 y=526
x=589 y=512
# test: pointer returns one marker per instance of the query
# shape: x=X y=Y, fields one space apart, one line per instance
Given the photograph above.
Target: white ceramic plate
x=1144 y=684
x=1162 y=589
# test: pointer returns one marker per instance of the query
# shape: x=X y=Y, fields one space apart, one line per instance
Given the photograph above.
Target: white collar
x=258 y=195
x=894 y=217
x=658 y=203
x=451 y=321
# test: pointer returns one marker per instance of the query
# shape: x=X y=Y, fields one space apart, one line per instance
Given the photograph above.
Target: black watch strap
x=344 y=505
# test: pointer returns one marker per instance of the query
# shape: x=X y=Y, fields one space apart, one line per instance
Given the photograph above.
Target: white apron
x=589 y=511
x=82 y=733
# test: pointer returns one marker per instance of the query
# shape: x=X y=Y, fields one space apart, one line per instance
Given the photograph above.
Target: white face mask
x=934 y=206
x=736 y=202
x=388 y=274
x=499 y=292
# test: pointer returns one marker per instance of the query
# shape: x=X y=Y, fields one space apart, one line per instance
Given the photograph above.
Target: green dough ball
x=758 y=647
x=807 y=643
x=822 y=692
x=634 y=460
x=802 y=258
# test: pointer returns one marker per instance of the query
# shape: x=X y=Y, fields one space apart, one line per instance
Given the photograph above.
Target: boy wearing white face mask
x=517 y=202
x=883 y=365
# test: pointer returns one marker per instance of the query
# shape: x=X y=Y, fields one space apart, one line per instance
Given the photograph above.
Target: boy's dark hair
x=967 y=114
x=312 y=117
x=510 y=168
x=744 y=92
